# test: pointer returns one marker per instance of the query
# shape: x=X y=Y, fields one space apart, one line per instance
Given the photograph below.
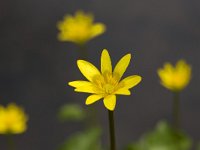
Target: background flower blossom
x=177 y=77
x=106 y=83
x=12 y=119
x=79 y=28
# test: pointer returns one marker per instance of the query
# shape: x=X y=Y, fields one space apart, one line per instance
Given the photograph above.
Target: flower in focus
x=106 y=83
x=175 y=78
x=12 y=119
x=79 y=28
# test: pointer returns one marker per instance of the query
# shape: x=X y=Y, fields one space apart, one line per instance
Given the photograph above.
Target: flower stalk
x=10 y=142
x=176 y=110
x=112 y=130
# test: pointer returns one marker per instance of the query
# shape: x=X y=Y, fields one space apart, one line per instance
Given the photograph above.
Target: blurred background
x=35 y=67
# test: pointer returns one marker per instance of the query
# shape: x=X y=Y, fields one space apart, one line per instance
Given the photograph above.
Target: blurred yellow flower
x=175 y=78
x=79 y=28
x=12 y=119
x=105 y=83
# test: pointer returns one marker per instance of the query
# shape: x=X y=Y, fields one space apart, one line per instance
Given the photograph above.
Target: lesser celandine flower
x=106 y=83
x=79 y=28
x=13 y=119
x=175 y=78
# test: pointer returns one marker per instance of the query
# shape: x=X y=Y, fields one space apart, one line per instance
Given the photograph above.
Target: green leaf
x=71 y=112
x=198 y=146
x=163 y=137
x=134 y=146
x=87 y=140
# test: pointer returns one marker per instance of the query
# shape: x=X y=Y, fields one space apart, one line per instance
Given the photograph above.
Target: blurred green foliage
x=86 y=140
x=71 y=112
x=198 y=146
x=163 y=137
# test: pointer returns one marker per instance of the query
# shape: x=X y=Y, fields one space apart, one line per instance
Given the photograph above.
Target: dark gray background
x=35 y=66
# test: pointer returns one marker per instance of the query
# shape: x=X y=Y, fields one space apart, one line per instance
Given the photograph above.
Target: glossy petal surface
x=110 y=102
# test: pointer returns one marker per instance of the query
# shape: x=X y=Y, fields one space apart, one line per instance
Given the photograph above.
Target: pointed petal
x=90 y=88
x=80 y=83
x=130 y=81
x=121 y=66
x=168 y=67
x=92 y=98
x=123 y=91
x=88 y=69
x=106 y=66
x=97 y=29
x=110 y=102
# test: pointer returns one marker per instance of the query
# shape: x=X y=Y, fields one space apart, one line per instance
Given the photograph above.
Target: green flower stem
x=112 y=130
x=176 y=110
x=10 y=142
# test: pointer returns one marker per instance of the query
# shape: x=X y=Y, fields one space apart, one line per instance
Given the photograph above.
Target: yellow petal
x=84 y=17
x=106 y=66
x=90 y=88
x=88 y=69
x=98 y=29
x=77 y=84
x=181 y=64
x=123 y=91
x=110 y=102
x=18 y=127
x=166 y=76
x=92 y=98
x=130 y=81
x=121 y=66
x=168 y=69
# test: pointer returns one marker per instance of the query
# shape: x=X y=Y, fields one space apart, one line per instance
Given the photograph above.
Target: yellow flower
x=175 y=78
x=12 y=119
x=79 y=28
x=105 y=84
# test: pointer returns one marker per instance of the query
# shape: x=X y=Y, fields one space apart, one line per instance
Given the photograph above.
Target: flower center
x=109 y=88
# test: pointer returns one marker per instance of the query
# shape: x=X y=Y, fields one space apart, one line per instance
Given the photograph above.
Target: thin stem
x=176 y=110
x=10 y=142
x=112 y=130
